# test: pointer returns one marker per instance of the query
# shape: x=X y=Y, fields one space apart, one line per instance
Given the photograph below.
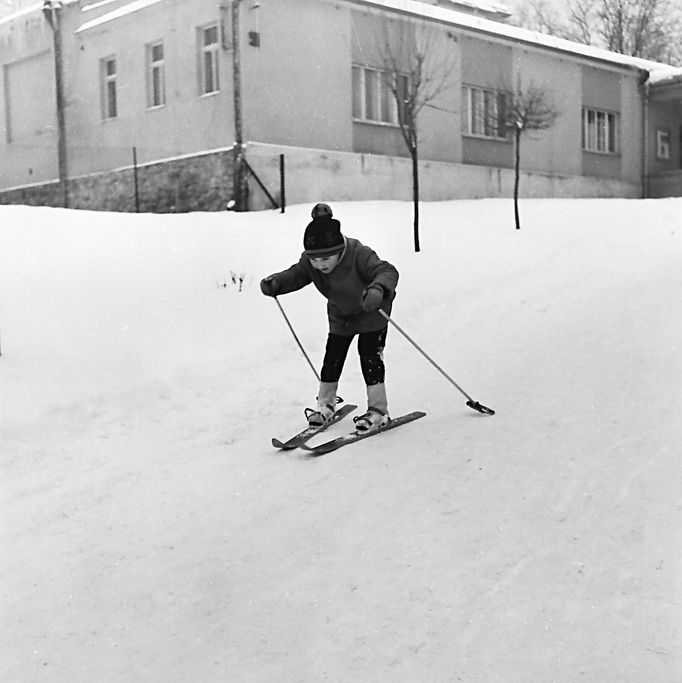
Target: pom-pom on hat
x=323 y=237
x=320 y=210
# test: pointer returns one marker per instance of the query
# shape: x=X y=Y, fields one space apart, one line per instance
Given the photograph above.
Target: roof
x=457 y=19
x=9 y=18
x=514 y=33
x=666 y=76
x=130 y=8
x=492 y=8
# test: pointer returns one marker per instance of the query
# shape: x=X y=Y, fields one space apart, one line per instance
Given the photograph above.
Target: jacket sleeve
x=295 y=277
x=377 y=271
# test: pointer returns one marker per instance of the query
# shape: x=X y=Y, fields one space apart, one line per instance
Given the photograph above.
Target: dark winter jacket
x=345 y=286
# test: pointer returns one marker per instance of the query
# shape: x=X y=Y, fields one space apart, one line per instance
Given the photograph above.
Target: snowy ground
x=149 y=532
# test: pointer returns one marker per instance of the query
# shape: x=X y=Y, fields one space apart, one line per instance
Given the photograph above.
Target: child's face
x=325 y=264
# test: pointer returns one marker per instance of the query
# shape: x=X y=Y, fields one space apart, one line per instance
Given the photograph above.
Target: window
x=156 y=75
x=484 y=112
x=662 y=144
x=373 y=98
x=108 y=80
x=600 y=131
x=208 y=64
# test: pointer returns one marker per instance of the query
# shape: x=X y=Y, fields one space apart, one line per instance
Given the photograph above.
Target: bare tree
x=528 y=107
x=581 y=15
x=651 y=29
x=418 y=63
x=539 y=15
x=642 y=28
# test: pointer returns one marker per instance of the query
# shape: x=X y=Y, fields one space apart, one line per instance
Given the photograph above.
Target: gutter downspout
x=52 y=10
x=645 y=135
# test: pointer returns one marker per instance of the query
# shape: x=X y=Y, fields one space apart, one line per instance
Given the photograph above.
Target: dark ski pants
x=371 y=349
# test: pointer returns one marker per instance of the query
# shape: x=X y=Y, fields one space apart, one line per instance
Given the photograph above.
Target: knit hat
x=321 y=210
x=323 y=237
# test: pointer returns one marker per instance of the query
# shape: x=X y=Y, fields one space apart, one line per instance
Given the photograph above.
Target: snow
x=150 y=533
x=20 y=13
x=485 y=6
x=664 y=76
x=118 y=13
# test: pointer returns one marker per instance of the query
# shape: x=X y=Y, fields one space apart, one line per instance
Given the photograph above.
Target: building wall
x=666 y=184
x=557 y=149
x=438 y=126
x=188 y=123
x=296 y=92
x=485 y=64
x=666 y=116
x=318 y=175
x=632 y=129
x=296 y=85
x=200 y=182
x=601 y=89
x=28 y=128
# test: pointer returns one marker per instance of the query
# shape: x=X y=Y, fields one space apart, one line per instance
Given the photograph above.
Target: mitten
x=270 y=286
x=373 y=298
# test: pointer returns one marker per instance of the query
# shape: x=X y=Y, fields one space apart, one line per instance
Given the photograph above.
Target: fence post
x=137 y=190
x=282 y=184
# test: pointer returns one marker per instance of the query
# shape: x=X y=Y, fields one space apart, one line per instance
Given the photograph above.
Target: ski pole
x=298 y=341
x=300 y=346
x=470 y=401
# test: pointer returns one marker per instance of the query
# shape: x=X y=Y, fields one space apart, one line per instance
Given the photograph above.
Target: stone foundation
x=190 y=183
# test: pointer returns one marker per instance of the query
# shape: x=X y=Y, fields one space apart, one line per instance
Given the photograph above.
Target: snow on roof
x=130 y=8
x=97 y=5
x=484 y=6
x=522 y=35
x=461 y=20
x=666 y=76
x=8 y=18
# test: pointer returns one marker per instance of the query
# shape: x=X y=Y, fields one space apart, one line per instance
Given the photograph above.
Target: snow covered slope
x=150 y=533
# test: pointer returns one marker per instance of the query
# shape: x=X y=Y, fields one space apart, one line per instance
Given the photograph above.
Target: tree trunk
x=517 y=173
x=415 y=194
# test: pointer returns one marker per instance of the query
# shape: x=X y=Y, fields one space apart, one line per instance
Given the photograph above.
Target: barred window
x=663 y=144
x=208 y=60
x=108 y=88
x=373 y=98
x=600 y=131
x=484 y=112
x=156 y=75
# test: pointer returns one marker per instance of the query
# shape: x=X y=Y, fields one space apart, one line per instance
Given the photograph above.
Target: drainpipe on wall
x=52 y=12
x=645 y=136
x=239 y=194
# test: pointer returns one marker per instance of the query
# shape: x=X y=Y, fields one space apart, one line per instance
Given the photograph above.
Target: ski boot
x=377 y=409
x=326 y=405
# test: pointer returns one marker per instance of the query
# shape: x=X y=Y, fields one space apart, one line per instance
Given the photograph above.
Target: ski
x=332 y=445
x=299 y=439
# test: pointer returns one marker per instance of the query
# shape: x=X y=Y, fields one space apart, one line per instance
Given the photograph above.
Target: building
x=150 y=114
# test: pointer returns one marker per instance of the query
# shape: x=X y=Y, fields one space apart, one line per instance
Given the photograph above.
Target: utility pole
x=52 y=11
x=238 y=168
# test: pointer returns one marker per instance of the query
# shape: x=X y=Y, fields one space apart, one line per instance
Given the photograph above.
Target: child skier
x=356 y=284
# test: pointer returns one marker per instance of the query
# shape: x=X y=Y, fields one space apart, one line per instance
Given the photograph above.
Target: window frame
x=600 y=131
x=109 y=88
x=481 y=112
x=373 y=101
x=663 y=145
x=210 y=51
x=156 y=75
